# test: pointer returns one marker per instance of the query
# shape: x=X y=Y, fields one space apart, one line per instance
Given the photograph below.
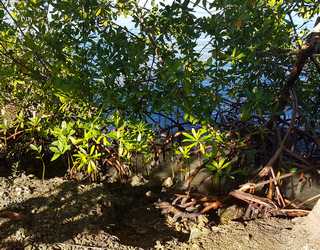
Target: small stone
x=16 y=181
x=197 y=232
x=18 y=191
x=28 y=247
x=27 y=190
x=148 y=193
x=215 y=229
x=195 y=247
x=158 y=245
x=168 y=182
x=137 y=180
x=230 y=213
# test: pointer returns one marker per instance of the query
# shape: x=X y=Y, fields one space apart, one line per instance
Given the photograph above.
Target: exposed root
x=189 y=206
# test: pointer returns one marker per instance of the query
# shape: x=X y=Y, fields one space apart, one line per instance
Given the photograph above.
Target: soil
x=62 y=214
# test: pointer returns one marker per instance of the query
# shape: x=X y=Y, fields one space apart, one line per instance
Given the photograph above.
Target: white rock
x=168 y=182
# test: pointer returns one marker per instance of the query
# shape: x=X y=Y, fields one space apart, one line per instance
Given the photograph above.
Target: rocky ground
x=61 y=214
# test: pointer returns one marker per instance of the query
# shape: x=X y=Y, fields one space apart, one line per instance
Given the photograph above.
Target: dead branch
x=250 y=186
x=308 y=200
x=266 y=206
x=250 y=198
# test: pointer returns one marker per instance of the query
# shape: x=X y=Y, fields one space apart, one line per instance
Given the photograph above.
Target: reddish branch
x=307 y=51
x=266 y=206
x=11 y=215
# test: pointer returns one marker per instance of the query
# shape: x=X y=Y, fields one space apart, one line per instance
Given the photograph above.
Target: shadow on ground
x=71 y=210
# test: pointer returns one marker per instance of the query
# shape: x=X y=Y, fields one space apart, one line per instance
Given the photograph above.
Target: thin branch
x=12 y=18
x=249 y=186
x=205 y=46
x=201 y=7
x=295 y=30
x=308 y=200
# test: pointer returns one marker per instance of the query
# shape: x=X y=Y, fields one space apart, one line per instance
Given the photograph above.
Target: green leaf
x=34 y=147
x=274 y=3
x=98 y=12
x=92 y=149
x=55 y=156
x=1 y=13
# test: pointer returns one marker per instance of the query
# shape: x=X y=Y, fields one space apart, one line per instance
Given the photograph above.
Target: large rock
x=312 y=223
x=306 y=234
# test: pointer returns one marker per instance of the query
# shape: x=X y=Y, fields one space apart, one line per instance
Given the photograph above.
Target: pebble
x=18 y=191
x=195 y=247
x=148 y=193
x=137 y=180
x=197 y=232
x=168 y=182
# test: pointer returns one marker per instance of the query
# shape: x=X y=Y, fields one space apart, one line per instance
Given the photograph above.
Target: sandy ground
x=61 y=214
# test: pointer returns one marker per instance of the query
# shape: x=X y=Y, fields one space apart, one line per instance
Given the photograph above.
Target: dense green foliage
x=83 y=87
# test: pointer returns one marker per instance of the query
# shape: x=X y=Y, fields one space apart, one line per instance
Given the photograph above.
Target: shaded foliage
x=84 y=87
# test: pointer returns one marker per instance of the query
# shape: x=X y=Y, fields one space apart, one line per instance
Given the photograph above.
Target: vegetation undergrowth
x=81 y=89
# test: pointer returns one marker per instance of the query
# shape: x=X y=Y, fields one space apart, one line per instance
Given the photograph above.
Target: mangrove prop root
x=190 y=205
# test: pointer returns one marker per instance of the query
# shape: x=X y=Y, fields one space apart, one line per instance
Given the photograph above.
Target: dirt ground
x=61 y=214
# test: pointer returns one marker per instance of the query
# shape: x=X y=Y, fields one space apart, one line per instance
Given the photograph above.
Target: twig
x=249 y=185
x=268 y=204
x=306 y=51
x=293 y=212
x=308 y=200
x=213 y=205
x=205 y=46
x=250 y=198
x=279 y=195
x=14 y=135
x=295 y=30
x=296 y=156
